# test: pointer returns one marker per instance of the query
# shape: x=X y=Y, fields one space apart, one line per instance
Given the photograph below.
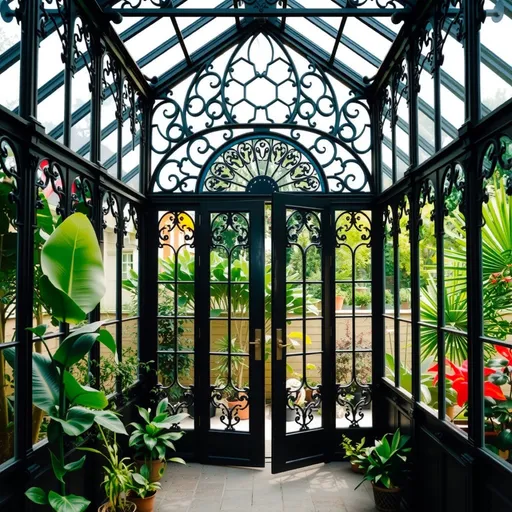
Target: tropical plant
x=141 y=485
x=71 y=286
x=118 y=476
x=363 y=298
x=405 y=295
x=384 y=464
x=353 y=450
x=153 y=437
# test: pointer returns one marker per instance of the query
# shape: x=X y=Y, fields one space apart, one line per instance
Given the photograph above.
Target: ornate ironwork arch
x=262 y=164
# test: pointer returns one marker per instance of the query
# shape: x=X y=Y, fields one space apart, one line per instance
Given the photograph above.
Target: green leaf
x=83 y=395
x=45 y=382
x=150 y=442
x=58 y=468
x=63 y=308
x=144 y=413
x=69 y=503
x=75 y=466
x=139 y=479
x=39 y=331
x=110 y=421
x=178 y=460
x=71 y=258
x=37 y=495
x=78 y=421
x=75 y=348
x=108 y=340
x=162 y=406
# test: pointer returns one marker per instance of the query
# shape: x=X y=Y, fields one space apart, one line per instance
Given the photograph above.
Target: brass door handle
x=257 y=344
x=280 y=344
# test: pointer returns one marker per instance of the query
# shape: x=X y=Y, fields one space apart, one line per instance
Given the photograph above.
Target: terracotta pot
x=490 y=439
x=130 y=507
x=339 y=302
x=405 y=305
x=156 y=468
x=450 y=411
x=146 y=504
x=243 y=411
x=356 y=468
x=387 y=500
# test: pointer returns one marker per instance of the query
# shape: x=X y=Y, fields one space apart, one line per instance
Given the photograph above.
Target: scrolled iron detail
x=49 y=177
x=172 y=220
x=353 y=409
x=303 y=220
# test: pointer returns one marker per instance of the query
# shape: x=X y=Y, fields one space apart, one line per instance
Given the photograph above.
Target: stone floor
x=321 y=488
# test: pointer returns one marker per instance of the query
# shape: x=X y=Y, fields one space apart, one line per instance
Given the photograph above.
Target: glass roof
x=168 y=40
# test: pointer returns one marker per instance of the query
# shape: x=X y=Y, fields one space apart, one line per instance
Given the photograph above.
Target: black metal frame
x=395 y=81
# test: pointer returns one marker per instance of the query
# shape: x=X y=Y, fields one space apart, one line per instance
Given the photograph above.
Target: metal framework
x=369 y=135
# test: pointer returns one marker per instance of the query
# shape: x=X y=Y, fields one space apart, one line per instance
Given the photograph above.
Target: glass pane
x=110 y=256
x=7 y=405
x=109 y=370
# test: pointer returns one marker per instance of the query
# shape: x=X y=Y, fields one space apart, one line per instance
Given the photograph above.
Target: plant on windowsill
x=152 y=438
x=384 y=465
x=354 y=452
x=71 y=285
x=405 y=298
x=341 y=295
x=363 y=299
x=142 y=491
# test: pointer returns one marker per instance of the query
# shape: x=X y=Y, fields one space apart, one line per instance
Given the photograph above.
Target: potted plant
x=71 y=286
x=363 y=299
x=384 y=466
x=354 y=452
x=341 y=295
x=143 y=492
x=154 y=436
x=118 y=477
x=405 y=298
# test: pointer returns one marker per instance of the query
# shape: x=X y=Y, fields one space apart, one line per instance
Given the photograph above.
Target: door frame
x=231 y=446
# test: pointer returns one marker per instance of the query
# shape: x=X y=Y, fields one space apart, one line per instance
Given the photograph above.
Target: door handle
x=280 y=344
x=257 y=344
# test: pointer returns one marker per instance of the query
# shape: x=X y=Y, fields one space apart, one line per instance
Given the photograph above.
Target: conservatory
x=249 y=230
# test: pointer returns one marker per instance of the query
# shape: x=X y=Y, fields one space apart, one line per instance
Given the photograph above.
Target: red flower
x=459 y=379
x=505 y=352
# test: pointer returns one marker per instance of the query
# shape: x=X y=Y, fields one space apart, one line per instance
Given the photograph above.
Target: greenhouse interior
x=256 y=255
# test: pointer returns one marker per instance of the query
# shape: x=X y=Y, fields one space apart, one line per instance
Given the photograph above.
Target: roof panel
x=150 y=38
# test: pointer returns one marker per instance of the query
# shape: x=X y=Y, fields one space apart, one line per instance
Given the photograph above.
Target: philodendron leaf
x=179 y=460
x=71 y=258
x=45 y=382
x=78 y=421
x=83 y=395
x=75 y=466
x=107 y=339
x=37 y=495
x=69 y=503
x=75 y=348
x=110 y=421
x=39 y=331
x=63 y=308
x=58 y=468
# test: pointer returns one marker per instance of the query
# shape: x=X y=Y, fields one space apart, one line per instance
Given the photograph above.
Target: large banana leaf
x=71 y=259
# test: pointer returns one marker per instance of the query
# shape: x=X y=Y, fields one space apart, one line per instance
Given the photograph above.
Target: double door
x=265 y=322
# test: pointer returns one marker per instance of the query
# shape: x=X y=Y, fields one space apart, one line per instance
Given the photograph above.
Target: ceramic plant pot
x=387 y=500
x=339 y=302
x=146 y=504
x=156 y=469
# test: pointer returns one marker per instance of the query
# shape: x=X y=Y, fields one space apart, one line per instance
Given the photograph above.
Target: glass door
x=231 y=316
x=303 y=387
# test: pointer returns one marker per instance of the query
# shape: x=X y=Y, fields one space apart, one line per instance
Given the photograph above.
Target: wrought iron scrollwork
x=83 y=49
x=235 y=221
x=304 y=414
x=354 y=397
x=49 y=180
x=229 y=410
x=172 y=220
x=424 y=40
x=427 y=197
x=130 y=215
x=110 y=206
x=273 y=89
x=454 y=189
x=298 y=221
x=349 y=220
x=111 y=80
x=496 y=159
x=60 y=23
x=9 y=166
x=261 y=165
x=81 y=196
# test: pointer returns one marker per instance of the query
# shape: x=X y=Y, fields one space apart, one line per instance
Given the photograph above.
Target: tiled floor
x=322 y=488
